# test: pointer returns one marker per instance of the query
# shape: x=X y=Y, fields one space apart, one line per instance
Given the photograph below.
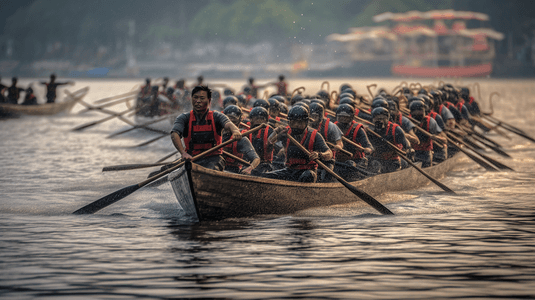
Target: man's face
x=200 y=101
x=234 y=119
x=298 y=124
x=255 y=121
x=274 y=112
x=380 y=119
x=314 y=120
x=417 y=114
x=344 y=119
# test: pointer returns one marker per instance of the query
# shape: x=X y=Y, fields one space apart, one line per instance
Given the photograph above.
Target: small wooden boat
x=221 y=195
x=44 y=109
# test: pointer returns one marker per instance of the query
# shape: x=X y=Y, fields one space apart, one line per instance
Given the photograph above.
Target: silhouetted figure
x=30 y=98
x=51 y=88
x=13 y=92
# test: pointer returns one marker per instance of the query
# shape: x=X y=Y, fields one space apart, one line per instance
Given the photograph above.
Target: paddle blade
x=95 y=206
x=130 y=167
x=367 y=198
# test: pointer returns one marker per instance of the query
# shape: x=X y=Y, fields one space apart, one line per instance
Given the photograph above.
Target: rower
x=274 y=111
x=386 y=160
x=354 y=132
x=406 y=124
x=146 y=89
x=230 y=100
x=299 y=166
x=242 y=148
x=13 y=92
x=439 y=154
x=330 y=133
x=263 y=148
x=52 y=86
x=443 y=111
x=423 y=151
x=29 y=98
x=201 y=130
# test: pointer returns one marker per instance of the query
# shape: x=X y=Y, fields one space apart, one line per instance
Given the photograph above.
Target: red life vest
x=297 y=159
x=232 y=148
x=324 y=127
x=281 y=88
x=261 y=145
x=433 y=115
x=428 y=145
x=460 y=105
x=202 y=137
x=351 y=133
x=391 y=155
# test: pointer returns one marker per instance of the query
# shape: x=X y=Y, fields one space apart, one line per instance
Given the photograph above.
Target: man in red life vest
x=423 y=151
x=355 y=132
x=259 y=139
x=201 y=130
x=387 y=159
x=242 y=148
x=299 y=166
x=282 y=86
x=330 y=133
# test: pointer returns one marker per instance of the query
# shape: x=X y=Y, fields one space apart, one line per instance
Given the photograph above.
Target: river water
x=477 y=244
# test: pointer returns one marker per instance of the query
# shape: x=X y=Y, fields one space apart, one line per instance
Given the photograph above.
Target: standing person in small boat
x=258 y=116
x=13 y=92
x=146 y=89
x=299 y=166
x=29 y=98
x=201 y=130
x=2 y=88
x=384 y=159
x=242 y=148
x=282 y=86
x=52 y=86
x=423 y=151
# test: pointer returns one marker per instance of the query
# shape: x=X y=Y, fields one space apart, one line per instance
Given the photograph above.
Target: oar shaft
x=242 y=161
x=362 y=195
x=116 y=97
x=341 y=150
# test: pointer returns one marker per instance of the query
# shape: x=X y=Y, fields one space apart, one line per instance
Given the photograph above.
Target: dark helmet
x=347 y=101
x=317 y=101
x=259 y=111
x=392 y=106
x=345 y=95
x=242 y=99
x=417 y=105
x=345 y=86
x=465 y=91
x=380 y=111
x=284 y=108
x=232 y=110
x=298 y=113
x=316 y=108
x=230 y=100
x=273 y=103
x=247 y=90
x=262 y=103
x=423 y=91
x=303 y=104
x=350 y=91
x=228 y=92
x=413 y=98
x=379 y=102
x=324 y=95
x=382 y=92
x=345 y=110
x=296 y=99
x=280 y=98
x=406 y=91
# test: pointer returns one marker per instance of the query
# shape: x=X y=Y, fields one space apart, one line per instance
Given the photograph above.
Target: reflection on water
x=478 y=243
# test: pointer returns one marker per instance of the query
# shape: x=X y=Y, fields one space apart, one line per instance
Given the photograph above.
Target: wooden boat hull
x=223 y=195
x=46 y=109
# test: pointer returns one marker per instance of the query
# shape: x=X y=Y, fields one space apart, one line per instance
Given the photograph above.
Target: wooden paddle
x=124 y=192
x=331 y=145
x=240 y=160
x=81 y=127
x=151 y=140
x=489 y=159
x=137 y=126
x=142 y=166
x=509 y=127
x=361 y=194
x=100 y=107
x=402 y=155
x=481 y=162
x=132 y=93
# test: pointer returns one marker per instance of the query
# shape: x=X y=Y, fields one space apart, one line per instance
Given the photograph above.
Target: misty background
x=225 y=38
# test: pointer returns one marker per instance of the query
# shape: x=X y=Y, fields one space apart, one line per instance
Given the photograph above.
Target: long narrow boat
x=221 y=195
x=44 y=109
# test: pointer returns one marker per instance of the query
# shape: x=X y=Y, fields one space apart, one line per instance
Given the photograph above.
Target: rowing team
x=347 y=129
x=11 y=94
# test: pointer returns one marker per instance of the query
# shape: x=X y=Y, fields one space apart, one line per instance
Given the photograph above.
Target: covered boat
x=221 y=195
x=44 y=109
